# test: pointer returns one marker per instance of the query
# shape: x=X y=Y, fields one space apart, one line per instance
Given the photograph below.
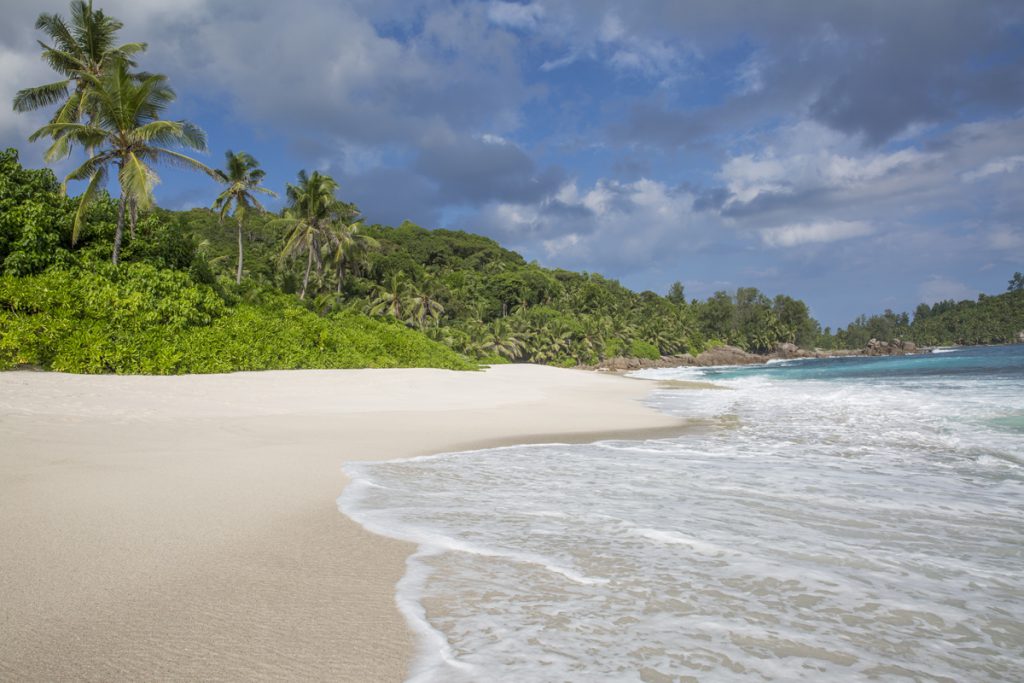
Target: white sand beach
x=157 y=528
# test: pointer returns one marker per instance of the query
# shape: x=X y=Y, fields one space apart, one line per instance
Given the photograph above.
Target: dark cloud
x=655 y=123
x=869 y=68
x=392 y=195
x=344 y=71
x=711 y=199
x=767 y=203
x=471 y=170
x=631 y=168
x=924 y=68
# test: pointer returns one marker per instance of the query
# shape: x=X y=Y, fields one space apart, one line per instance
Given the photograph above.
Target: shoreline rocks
x=894 y=348
x=733 y=355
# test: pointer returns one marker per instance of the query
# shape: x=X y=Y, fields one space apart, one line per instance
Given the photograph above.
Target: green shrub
x=137 y=318
x=638 y=348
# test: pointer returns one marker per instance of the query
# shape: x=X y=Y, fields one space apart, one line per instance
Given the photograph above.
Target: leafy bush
x=142 y=319
x=638 y=348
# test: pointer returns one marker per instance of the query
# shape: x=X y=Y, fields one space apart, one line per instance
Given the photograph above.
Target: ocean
x=848 y=519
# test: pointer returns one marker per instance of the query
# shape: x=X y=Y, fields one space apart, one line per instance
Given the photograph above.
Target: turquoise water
x=999 y=362
x=857 y=519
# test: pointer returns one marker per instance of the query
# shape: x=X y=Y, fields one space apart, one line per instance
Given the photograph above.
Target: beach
x=187 y=527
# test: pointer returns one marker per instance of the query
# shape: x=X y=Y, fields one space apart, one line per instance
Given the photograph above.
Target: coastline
x=188 y=526
x=721 y=356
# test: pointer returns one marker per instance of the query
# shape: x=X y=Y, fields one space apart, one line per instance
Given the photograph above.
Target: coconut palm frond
x=97 y=180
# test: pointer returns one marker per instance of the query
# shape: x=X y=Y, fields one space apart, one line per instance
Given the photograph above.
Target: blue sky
x=859 y=155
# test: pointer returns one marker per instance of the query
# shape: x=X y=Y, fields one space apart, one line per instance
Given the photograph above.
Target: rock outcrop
x=728 y=355
x=894 y=348
x=733 y=355
x=787 y=350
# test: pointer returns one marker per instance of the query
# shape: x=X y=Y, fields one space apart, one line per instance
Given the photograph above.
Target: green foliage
x=754 y=322
x=412 y=246
x=125 y=134
x=160 y=241
x=142 y=319
x=1016 y=283
x=989 y=320
x=639 y=348
x=675 y=293
x=885 y=327
x=34 y=218
x=795 y=318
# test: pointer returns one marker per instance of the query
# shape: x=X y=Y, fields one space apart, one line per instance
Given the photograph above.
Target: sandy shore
x=157 y=528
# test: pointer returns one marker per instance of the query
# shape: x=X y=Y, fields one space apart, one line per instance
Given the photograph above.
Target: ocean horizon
x=846 y=519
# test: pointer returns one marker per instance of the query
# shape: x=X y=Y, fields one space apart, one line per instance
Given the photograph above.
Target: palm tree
x=423 y=307
x=242 y=176
x=549 y=343
x=391 y=297
x=312 y=207
x=501 y=341
x=125 y=131
x=349 y=246
x=82 y=49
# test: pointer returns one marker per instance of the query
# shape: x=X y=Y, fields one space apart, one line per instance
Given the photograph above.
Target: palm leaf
x=29 y=99
x=183 y=161
x=89 y=167
x=53 y=25
x=137 y=181
x=97 y=179
x=129 y=49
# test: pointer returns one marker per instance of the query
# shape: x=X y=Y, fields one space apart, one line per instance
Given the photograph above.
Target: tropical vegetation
x=313 y=285
x=242 y=176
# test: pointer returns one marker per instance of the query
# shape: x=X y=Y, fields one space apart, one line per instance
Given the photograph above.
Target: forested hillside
x=392 y=296
x=172 y=303
x=995 y=319
x=163 y=309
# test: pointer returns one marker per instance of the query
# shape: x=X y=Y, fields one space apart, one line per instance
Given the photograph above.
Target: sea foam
x=865 y=528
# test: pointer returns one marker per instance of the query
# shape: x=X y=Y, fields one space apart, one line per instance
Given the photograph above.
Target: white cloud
x=600 y=34
x=650 y=59
x=515 y=15
x=632 y=53
x=556 y=246
x=622 y=225
x=814 y=233
x=940 y=288
x=996 y=167
x=750 y=75
x=808 y=156
x=328 y=71
x=19 y=70
x=1006 y=239
x=555 y=64
x=492 y=139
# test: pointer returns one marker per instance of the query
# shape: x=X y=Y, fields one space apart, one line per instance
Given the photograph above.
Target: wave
x=834 y=519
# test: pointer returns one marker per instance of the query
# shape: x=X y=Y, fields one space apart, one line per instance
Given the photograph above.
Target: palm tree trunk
x=305 y=280
x=238 y=275
x=119 y=232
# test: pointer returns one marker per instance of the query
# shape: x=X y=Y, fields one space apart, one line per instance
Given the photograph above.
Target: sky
x=859 y=155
